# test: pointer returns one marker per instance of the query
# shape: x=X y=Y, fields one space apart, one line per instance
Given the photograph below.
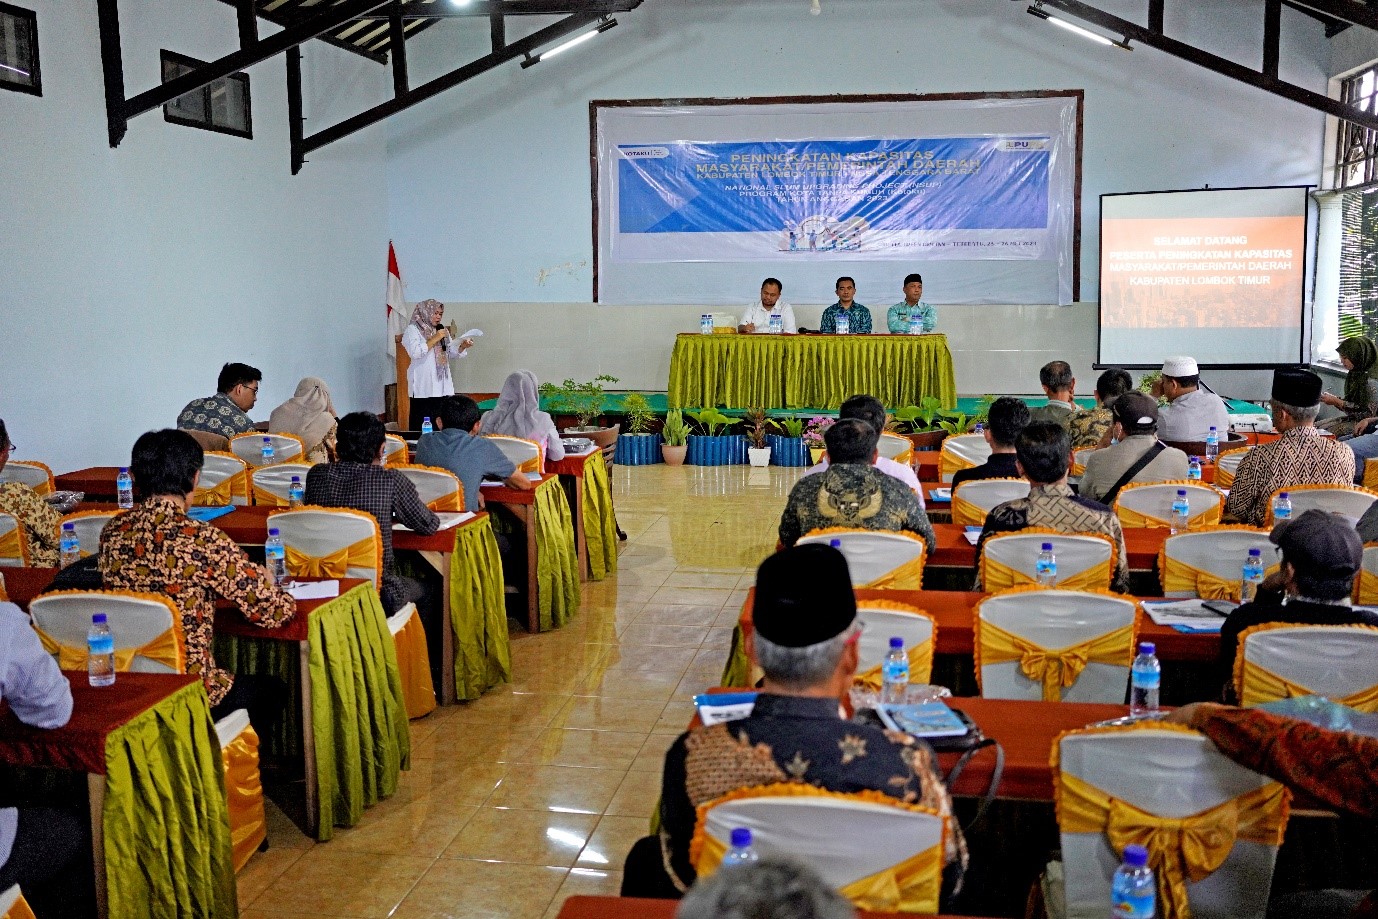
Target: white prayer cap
x=1180 y=367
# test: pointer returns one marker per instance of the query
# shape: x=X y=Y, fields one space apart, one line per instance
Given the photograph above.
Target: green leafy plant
x=921 y=417
x=757 y=426
x=983 y=409
x=711 y=421
x=582 y=400
x=637 y=408
x=792 y=425
x=675 y=432
x=953 y=422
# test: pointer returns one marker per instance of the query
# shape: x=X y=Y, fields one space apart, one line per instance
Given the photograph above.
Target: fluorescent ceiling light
x=22 y=73
x=565 y=46
x=1037 y=10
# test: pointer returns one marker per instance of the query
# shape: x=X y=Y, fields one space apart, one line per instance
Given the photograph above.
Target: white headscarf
x=309 y=414
x=421 y=318
x=518 y=410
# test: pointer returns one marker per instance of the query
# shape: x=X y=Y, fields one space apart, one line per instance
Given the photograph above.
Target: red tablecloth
x=953 y=550
x=96 y=481
x=633 y=908
x=570 y=465
x=23 y=584
x=229 y=621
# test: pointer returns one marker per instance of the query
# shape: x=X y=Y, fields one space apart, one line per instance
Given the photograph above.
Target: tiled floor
x=537 y=790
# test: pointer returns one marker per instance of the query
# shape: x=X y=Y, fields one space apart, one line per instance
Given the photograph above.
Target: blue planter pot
x=787 y=451
x=722 y=450
x=637 y=449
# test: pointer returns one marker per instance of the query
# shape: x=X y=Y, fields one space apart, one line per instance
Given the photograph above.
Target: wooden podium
x=403 y=418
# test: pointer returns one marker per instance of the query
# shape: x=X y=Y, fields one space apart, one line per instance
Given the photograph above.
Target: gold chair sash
x=453 y=503
x=1257 y=684
x=1055 y=668
x=12 y=544
x=908 y=576
x=1132 y=519
x=906 y=454
x=414 y=666
x=166 y=649
x=967 y=514
x=1371 y=474
x=362 y=554
x=1179 y=576
x=920 y=668
x=265 y=498
x=223 y=494
x=1366 y=588
x=19 y=909
x=949 y=464
x=1180 y=849
x=244 y=796
x=997 y=576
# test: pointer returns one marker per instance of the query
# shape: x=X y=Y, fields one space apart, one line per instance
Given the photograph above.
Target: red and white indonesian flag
x=397 y=304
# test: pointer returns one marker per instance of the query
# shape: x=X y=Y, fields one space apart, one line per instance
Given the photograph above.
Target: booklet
x=972 y=535
x=1188 y=615
x=717 y=707
x=924 y=719
x=205 y=513
x=313 y=590
x=448 y=519
x=940 y=494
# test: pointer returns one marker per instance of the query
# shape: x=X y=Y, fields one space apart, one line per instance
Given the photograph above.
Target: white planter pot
x=758 y=456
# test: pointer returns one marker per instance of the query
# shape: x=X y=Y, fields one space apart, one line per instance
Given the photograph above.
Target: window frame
x=1350 y=91
x=35 y=72
x=172 y=57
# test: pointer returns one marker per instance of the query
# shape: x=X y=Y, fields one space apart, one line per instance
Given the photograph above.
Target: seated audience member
x=858 y=316
x=226 y=412
x=1300 y=457
x=1008 y=416
x=38 y=518
x=756 y=317
x=157 y=548
x=869 y=410
x=1332 y=767
x=518 y=414
x=1191 y=411
x=898 y=316
x=773 y=888
x=852 y=492
x=430 y=347
x=1360 y=401
x=1044 y=455
x=804 y=640
x=310 y=415
x=456 y=445
x=1137 y=457
x=1060 y=387
x=1088 y=426
x=41 y=849
x=1321 y=557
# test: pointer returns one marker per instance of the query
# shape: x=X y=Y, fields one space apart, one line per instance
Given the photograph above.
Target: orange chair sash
x=1054 y=668
x=244 y=797
x=166 y=649
x=362 y=554
x=223 y=494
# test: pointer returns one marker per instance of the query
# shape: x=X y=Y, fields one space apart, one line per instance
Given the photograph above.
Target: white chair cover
x=1348 y=502
x=8 y=898
x=9 y=524
x=1220 y=552
x=88 y=528
x=218 y=467
x=398 y=620
x=1368 y=573
x=33 y=475
x=1228 y=463
x=879 y=625
x=277 y=479
x=433 y=484
x=394 y=450
x=1170 y=774
x=134 y=621
x=893 y=445
x=1056 y=619
x=519 y=450
x=1334 y=661
x=971 y=448
x=1155 y=500
x=319 y=532
x=988 y=493
x=871 y=554
x=231 y=726
x=1074 y=553
x=249 y=447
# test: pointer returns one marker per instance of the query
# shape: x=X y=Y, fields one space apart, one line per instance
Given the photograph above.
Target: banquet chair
x=973 y=500
x=243 y=786
x=394 y=450
x=224 y=481
x=14 y=542
x=413 y=661
x=1209 y=563
x=895 y=447
x=1279 y=660
x=961 y=452
x=439 y=488
x=1084 y=560
x=147 y=628
x=31 y=473
x=1211 y=826
x=1149 y=504
x=1226 y=464
x=1366 y=584
x=331 y=542
x=1055 y=645
x=13 y=905
x=1078 y=468
x=877 y=559
x=270 y=484
x=882 y=619
x=835 y=834
x=1346 y=500
x=89 y=525
x=525 y=454
x=249 y=447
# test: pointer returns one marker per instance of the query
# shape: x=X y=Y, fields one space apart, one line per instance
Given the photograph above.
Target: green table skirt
x=600 y=527
x=809 y=371
x=167 y=829
x=557 y=557
x=358 y=717
x=478 y=614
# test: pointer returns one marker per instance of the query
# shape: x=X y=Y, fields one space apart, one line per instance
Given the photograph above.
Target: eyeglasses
x=11 y=447
x=252 y=389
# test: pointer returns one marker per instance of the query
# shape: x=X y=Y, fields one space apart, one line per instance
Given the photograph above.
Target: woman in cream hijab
x=518 y=414
x=310 y=415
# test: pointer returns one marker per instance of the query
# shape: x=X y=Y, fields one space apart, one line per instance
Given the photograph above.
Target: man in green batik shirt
x=858 y=316
x=897 y=318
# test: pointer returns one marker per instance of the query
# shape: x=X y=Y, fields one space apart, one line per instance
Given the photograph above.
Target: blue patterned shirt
x=858 y=319
x=897 y=318
x=217 y=414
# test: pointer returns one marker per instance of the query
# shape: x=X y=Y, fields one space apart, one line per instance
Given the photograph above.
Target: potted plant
x=637 y=444
x=813 y=436
x=920 y=423
x=585 y=402
x=757 y=444
x=712 y=446
x=787 y=448
x=675 y=434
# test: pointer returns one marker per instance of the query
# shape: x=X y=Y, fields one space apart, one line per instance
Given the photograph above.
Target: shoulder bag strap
x=1109 y=498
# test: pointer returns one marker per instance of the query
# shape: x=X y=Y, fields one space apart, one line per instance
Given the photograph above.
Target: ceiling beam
x=277 y=19
x=504 y=8
x=1359 y=14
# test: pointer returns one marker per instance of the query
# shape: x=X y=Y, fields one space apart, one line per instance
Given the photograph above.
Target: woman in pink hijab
x=518 y=414
x=430 y=347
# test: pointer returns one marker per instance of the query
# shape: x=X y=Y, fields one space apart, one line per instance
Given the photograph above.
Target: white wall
x=128 y=276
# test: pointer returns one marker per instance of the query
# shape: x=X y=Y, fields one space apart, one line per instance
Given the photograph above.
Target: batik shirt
x=217 y=414
x=37 y=517
x=1300 y=457
x=858 y=319
x=1058 y=508
x=1088 y=425
x=158 y=549
x=793 y=739
x=856 y=497
x=897 y=317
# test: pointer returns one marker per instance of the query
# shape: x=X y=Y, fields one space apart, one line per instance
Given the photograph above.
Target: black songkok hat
x=1295 y=386
x=803 y=596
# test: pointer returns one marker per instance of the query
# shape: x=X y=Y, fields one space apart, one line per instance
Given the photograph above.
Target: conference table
x=588 y=491
x=953 y=550
x=809 y=371
x=585 y=907
x=552 y=561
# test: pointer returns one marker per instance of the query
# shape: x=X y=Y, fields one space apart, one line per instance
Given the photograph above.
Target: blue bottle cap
x=835 y=543
x=741 y=838
x=1147 y=647
x=273 y=531
x=296 y=480
x=124 y=470
x=1135 y=856
x=896 y=641
x=1253 y=552
x=267 y=440
x=69 y=527
x=1181 y=492
x=98 y=618
x=1047 y=547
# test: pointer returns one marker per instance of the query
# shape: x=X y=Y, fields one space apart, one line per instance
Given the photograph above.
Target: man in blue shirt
x=898 y=317
x=858 y=316
x=456 y=446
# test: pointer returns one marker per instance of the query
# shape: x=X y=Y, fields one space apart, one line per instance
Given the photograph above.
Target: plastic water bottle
x=296 y=493
x=1253 y=576
x=69 y=545
x=706 y=323
x=979 y=429
x=1145 y=678
x=1045 y=567
x=741 y=852
x=275 y=553
x=777 y=324
x=894 y=674
x=100 y=652
x=426 y=426
x=1282 y=507
x=1212 y=445
x=1194 y=468
x=915 y=324
x=1133 y=894
x=1181 y=512
x=844 y=324
x=268 y=452
x=124 y=488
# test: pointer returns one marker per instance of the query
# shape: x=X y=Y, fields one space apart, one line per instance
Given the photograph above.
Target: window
x=1358 y=288
x=221 y=106
x=1356 y=147
x=19 y=50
